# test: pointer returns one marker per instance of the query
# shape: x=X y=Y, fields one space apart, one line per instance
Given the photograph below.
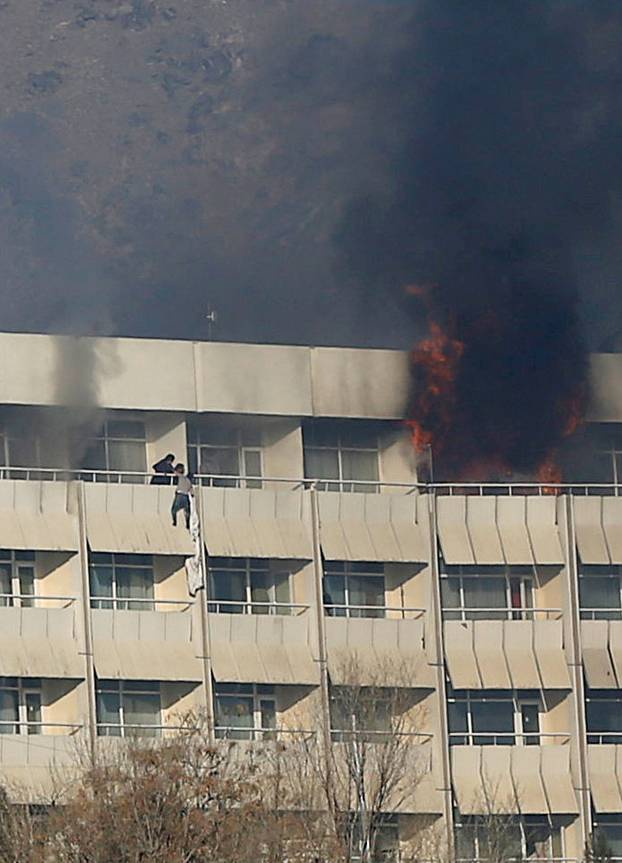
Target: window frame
x=114 y=601
x=555 y=840
x=106 y=437
x=600 y=696
x=17 y=560
x=258 y=694
x=525 y=575
x=586 y=573
x=342 y=447
x=239 y=446
x=518 y=700
x=246 y=567
x=128 y=688
x=23 y=688
x=351 y=570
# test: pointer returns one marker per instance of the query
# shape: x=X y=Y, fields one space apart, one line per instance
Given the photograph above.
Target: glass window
x=128 y=708
x=354 y=589
x=358 y=710
x=476 y=592
x=600 y=593
x=496 y=717
x=119 y=446
x=17 y=578
x=9 y=710
x=244 y=711
x=20 y=706
x=493 y=718
x=248 y=586
x=604 y=715
x=343 y=454
x=608 y=830
x=122 y=581
x=508 y=837
x=225 y=455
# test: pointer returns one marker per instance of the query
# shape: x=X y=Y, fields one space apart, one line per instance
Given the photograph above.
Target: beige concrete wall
x=61 y=702
x=298 y=707
x=170 y=581
x=166 y=432
x=57 y=574
x=180 y=701
x=398 y=459
x=350 y=382
x=282 y=450
x=406 y=586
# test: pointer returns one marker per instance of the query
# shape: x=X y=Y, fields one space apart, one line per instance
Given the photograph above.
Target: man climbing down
x=183 y=492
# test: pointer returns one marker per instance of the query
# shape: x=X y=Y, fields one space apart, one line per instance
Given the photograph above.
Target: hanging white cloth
x=194 y=564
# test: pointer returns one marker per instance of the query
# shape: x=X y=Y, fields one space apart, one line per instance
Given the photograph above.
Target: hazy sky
x=295 y=163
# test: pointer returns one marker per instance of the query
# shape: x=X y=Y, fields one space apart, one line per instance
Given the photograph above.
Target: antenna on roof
x=211 y=317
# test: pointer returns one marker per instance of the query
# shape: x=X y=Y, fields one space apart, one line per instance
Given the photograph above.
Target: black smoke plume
x=505 y=199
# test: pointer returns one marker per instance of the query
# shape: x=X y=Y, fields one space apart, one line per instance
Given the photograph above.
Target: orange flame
x=436 y=359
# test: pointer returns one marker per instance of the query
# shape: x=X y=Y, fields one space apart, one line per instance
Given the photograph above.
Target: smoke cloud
x=294 y=165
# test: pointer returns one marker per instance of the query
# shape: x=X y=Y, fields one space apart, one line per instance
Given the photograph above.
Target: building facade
x=497 y=609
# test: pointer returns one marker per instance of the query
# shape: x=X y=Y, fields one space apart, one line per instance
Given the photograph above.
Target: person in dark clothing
x=163 y=471
x=183 y=493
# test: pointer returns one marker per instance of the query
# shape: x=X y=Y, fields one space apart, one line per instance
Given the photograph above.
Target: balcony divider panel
x=606 y=793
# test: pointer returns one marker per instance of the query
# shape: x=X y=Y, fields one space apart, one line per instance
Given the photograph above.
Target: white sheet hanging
x=194 y=564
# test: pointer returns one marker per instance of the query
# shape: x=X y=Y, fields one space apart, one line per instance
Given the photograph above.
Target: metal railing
x=30 y=727
x=503 y=488
x=137 y=603
x=463 y=612
x=363 y=735
x=233 y=606
x=244 y=732
x=600 y=613
x=373 y=611
x=508 y=738
x=604 y=737
x=33 y=600
x=136 y=729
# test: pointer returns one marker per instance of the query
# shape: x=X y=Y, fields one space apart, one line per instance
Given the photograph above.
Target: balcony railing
x=375 y=611
x=463 y=612
x=362 y=735
x=32 y=600
x=508 y=738
x=130 y=603
x=601 y=613
x=604 y=737
x=135 y=729
x=244 y=732
x=236 y=606
x=8 y=726
x=508 y=488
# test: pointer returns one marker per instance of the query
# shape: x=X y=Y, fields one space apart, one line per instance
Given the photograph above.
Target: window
x=385 y=839
x=20 y=705
x=225 y=452
x=493 y=718
x=240 y=585
x=17 y=578
x=600 y=592
x=121 y=581
x=346 y=453
x=603 y=709
x=508 y=837
x=119 y=446
x=365 y=712
x=353 y=589
x=605 y=463
x=20 y=447
x=244 y=711
x=128 y=708
x=487 y=593
x=607 y=830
